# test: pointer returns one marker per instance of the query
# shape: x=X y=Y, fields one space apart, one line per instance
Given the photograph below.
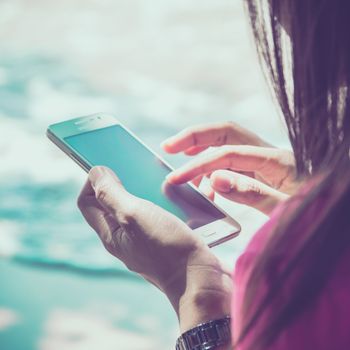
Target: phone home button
x=208 y=234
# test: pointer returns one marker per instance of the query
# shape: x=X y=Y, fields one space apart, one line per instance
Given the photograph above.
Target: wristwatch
x=206 y=336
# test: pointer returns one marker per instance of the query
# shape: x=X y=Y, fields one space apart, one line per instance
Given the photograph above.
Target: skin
x=241 y=166
x=161 y=248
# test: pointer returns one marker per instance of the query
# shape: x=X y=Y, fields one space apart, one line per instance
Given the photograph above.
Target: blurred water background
x=159 y=66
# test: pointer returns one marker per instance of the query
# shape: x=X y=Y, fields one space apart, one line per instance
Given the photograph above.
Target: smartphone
x=100 y=139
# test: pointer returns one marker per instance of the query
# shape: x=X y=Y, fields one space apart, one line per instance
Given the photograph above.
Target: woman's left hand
x=157 y=245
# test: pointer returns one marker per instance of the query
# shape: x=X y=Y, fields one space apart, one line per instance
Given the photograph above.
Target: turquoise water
x=49 y=309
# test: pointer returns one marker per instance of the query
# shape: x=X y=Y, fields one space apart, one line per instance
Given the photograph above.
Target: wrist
x=202 y=306
x=202 y=292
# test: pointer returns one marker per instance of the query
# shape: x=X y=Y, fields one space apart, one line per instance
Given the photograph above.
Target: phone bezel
x=213 y=234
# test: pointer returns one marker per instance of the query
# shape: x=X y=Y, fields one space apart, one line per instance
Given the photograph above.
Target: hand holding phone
x=157 y=245
x=101 y=140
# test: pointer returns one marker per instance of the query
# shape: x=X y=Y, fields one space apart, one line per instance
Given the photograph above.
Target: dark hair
x=304 y=47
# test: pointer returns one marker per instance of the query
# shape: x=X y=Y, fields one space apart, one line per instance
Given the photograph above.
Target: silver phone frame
x=228 y=227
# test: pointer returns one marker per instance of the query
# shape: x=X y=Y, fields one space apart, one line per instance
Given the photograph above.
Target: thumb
x=109 y=191
x=246 y=190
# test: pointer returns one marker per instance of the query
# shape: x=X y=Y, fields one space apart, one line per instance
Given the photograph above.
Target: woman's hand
x=158 y=246
x=243 y=168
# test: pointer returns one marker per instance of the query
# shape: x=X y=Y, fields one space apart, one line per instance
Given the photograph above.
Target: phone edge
x=68 y=151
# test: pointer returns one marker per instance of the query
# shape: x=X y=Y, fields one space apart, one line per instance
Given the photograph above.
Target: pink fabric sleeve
x=324 y=326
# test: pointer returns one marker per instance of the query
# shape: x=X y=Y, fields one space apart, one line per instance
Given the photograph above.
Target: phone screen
x=143 y=174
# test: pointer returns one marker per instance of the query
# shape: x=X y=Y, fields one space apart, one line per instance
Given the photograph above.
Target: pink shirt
x=325 y=326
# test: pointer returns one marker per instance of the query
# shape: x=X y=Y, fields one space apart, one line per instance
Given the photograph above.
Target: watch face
x=207 y=335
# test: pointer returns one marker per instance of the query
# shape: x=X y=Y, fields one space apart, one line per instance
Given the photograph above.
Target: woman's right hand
x=242 y=167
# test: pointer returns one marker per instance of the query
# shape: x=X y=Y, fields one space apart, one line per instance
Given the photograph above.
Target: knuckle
x=254 y=188
x=188 y=131
x=116 y=237
x=221 y=139
x=194 y=138
x=128 y=216
x=248 y=186
x=101 y=192
x=125 y=218
x=230 y=126
x=224 y=135
x=113 y=240
x=252 y=193
x=191 y=132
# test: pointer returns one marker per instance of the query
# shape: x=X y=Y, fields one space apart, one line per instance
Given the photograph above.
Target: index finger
x=237 y=158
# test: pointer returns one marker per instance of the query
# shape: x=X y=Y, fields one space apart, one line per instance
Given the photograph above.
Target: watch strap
x=206 y=336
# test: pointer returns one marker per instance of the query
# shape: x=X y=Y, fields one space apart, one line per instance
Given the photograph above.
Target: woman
x=292 y=284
